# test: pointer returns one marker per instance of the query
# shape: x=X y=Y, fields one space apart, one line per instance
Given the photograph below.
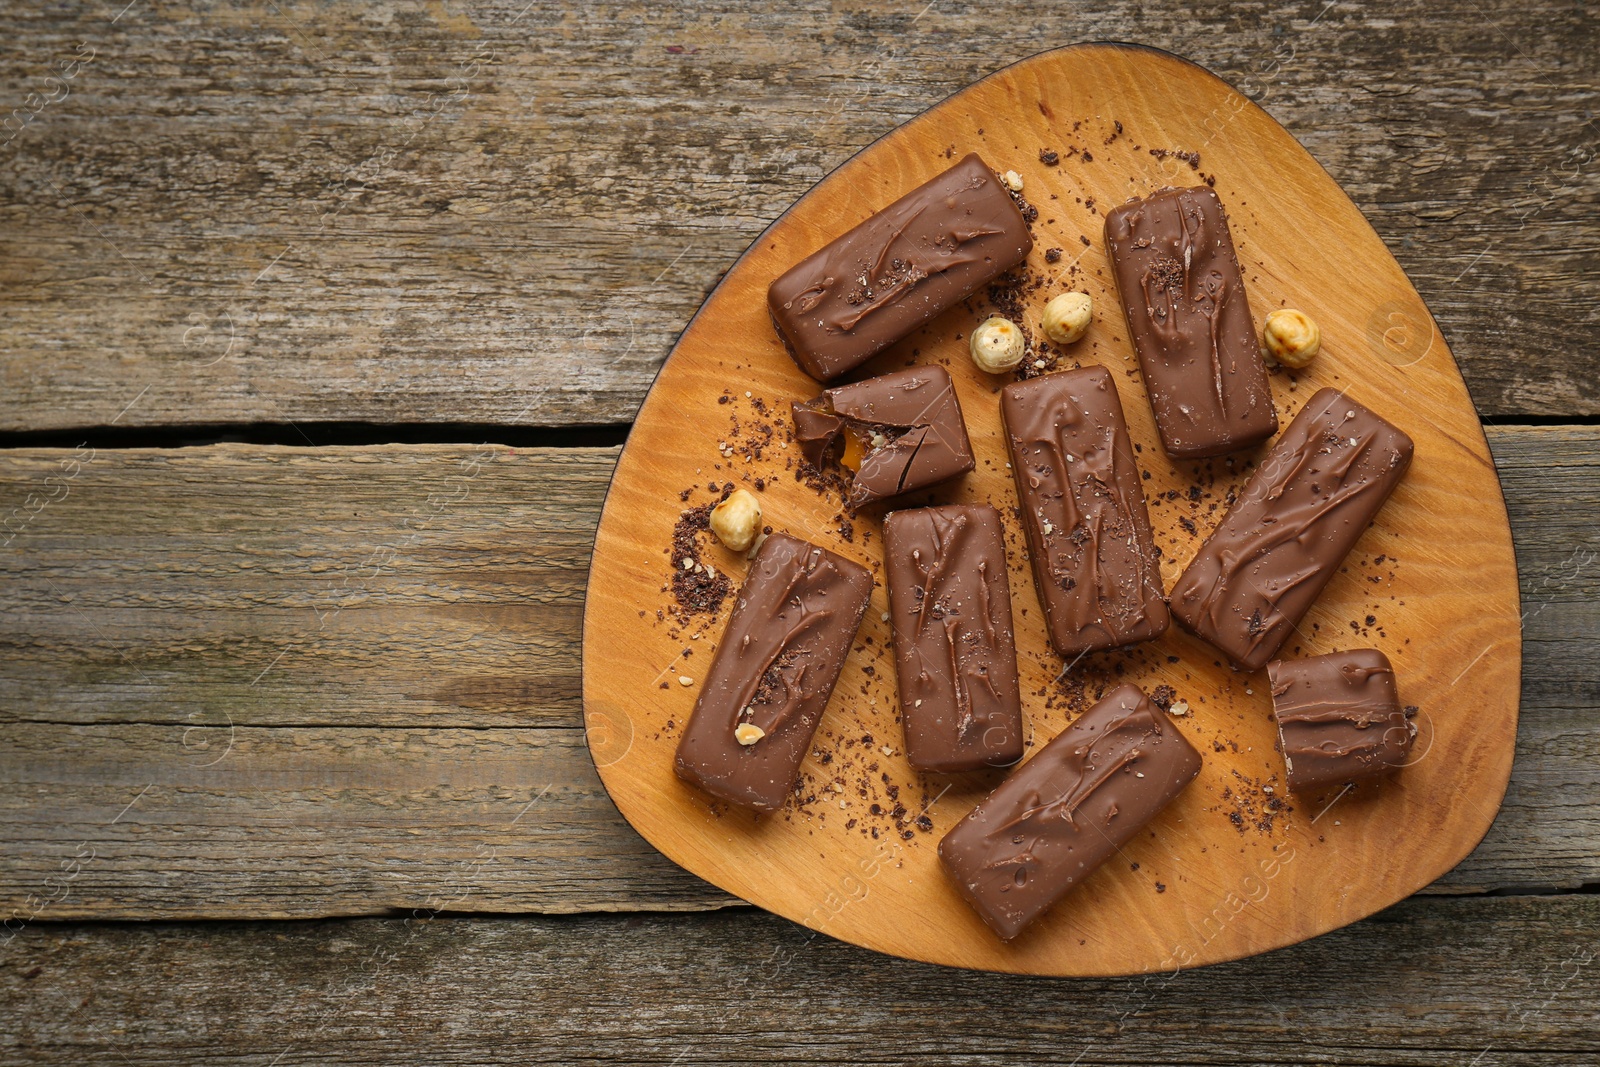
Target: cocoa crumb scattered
x=696 y=589
x=1163 y=696
x=1191 y=158
x=1049 y=158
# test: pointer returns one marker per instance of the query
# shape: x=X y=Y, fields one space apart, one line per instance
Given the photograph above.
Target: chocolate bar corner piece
x=898 y=270
x=1071 y=807
x=896 y=433
x=954 y=647
x=1283 y=540
x=774 y=670
x=1339 y=718
x=1095 y=562
x=1182 y=292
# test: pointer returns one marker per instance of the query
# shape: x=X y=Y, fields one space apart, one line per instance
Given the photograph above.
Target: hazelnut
x=1013 y=181
x=997 y=345
x=737 y=520
x=1291 y=338
x=1067 y=317
x=748 y=733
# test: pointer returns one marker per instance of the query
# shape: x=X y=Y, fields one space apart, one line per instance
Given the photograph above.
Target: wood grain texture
x=282 y=586
x=1486 y=981
x=503 y=211
x=131 y=641
x=1402 y=590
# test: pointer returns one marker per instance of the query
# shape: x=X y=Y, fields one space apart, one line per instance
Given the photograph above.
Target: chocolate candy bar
x=1189 y=321
x=1339 y=718
x=950 y=613
x=1094 y=559
x=921 y=255
x=1067 y=810
x=773 y=673
x=1283 y=539
x=897 y=433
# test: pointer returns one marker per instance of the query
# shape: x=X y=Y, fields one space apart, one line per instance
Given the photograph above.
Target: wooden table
x=323 y=323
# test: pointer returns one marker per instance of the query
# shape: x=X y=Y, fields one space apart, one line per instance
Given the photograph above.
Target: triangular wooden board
x=1221 y=874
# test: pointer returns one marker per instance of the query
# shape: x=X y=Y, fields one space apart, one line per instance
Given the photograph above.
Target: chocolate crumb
x=696 y=588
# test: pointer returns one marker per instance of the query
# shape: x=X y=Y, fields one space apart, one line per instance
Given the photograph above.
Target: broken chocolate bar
x=1067 y=810
x=1189 y=320
x=1339 y=718
x=897 y=433
x=786 y=641
x=899 y=269
x=950 y=614
x=1083 y=510
x=1282 y=541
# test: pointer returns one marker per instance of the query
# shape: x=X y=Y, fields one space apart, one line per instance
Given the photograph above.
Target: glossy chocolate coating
x=919 y=417
x=954 y=650
x=787 y=639
x=918 y=257
x=1189 y=320
x=1283 y=540
x=1083 y=510
x=1339 y=718
x=1068 y=809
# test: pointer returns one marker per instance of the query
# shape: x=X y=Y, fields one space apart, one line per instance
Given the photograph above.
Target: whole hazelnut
x=1067 y=317
x=1013 y=181
x=997 y=345
x=1291 y=338
x=737 y=520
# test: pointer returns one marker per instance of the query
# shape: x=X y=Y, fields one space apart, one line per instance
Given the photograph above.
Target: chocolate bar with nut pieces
x=954 y=648
x=1283 y=540
x=1339 y=718
x=899 y=269
x=1067 y=810
x=791 y=628
x=1083 y=510
x=1189 y=320
x=895 y=433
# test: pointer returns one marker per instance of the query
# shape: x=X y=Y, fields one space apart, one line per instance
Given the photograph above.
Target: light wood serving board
x=1220 y=874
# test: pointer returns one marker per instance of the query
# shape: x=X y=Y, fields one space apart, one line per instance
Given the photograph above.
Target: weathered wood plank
x=185 y=822
x=383 y=748
x=1487 y=981
x=504 y=211
x=374 y=586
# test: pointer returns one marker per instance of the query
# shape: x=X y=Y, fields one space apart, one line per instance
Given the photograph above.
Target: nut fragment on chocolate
x=1189 y=319
x=895 y=433
x=1339 y=718
x=1067 y=810
x=954 y=649
x=1083 y=511
x=899 y=269
x=1299 y=515
x=774 y=670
